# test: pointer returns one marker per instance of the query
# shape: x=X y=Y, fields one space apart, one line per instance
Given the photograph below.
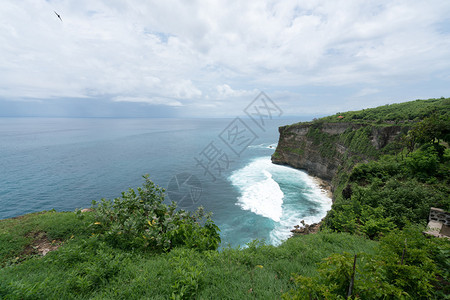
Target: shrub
x=141 y=220
x=405 y=267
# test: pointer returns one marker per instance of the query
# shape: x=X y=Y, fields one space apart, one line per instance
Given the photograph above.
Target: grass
x=85 y=267
x=297 y=151
x=400 y=113
x=18 y=233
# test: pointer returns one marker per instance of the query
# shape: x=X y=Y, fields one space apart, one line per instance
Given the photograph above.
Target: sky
x=134 y=58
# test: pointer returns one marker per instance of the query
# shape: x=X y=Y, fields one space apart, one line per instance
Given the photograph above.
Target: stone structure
x=439 y=223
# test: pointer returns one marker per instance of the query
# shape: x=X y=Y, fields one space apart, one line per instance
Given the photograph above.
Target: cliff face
x=322 y=149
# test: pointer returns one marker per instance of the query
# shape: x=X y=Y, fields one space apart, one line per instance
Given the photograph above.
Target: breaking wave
x=282 y=194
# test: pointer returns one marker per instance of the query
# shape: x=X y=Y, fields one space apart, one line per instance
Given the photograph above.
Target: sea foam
x=282 y=194
x=260 y=194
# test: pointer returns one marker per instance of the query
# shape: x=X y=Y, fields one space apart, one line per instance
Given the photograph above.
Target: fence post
x=352 y=279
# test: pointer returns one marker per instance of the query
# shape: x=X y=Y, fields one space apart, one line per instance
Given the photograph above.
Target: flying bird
x=58 y=15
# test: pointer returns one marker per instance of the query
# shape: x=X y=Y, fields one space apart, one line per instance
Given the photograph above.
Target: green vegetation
x=358 y=141
x=385 y=194
x=406 y=265
x=142 y=221
x=326 y=143
x=406 y=112
x=394 y=190
x=380 y=200
x=88 y=266
x=17 y=234
x=135 y=246
x=295 y=150
x=276 y=154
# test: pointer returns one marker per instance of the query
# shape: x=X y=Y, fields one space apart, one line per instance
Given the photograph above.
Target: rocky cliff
x=323 y=149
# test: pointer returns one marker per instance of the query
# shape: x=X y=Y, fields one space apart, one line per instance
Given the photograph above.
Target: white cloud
x=366 y=91
x=224 y=91
x=152 y=101
x=197 y=53
x=184 y=89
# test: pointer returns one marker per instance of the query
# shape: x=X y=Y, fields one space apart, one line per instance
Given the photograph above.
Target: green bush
x=391 y=192
x=188 y=274
x=326 y=143
x=358 y=141
x=373 y=222
x=141 y=220
x=405 y=266
x=353 y=217
x=333 y=280
x=400 y=113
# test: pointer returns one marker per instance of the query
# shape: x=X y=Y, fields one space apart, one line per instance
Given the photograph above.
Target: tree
x=430 y=130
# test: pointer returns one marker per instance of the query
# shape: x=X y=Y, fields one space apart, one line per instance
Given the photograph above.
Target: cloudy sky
x=135 y=58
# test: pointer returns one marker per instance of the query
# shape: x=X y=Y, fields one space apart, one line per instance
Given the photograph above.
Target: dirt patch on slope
x=40 y=245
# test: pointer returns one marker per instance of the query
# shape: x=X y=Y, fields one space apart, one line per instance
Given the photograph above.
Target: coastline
x=325 y=186
x=304 y=228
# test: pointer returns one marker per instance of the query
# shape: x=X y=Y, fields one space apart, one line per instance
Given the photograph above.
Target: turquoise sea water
x=64 y=164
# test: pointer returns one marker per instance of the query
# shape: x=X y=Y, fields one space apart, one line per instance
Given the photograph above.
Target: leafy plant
x=391 y=192
x=405 y=267
x=141 y=220
x=400 y=113
x=188 y=275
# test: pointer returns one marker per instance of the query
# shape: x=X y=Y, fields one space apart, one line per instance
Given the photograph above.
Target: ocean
x=221 y=164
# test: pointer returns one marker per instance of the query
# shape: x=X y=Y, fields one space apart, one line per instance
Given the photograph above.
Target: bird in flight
x=58 y=15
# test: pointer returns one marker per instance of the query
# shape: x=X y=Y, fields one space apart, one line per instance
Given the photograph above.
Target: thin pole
x=352 y=279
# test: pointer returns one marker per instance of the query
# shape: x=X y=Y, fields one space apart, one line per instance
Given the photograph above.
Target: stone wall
x=439 y=223
x=439 y=215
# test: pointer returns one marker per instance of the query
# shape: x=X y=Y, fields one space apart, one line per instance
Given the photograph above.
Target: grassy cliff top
x=84 y=266
x=401 y=113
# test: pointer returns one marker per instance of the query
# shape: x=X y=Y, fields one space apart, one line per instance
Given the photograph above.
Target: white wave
x=259 y=184
x=260 y=194
x=294 y=213
x=264 y=146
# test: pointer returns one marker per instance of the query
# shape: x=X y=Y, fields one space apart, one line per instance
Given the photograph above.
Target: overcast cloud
x=210 y=58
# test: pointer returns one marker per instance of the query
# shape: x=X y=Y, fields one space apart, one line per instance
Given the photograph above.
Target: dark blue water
x=64 y=164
